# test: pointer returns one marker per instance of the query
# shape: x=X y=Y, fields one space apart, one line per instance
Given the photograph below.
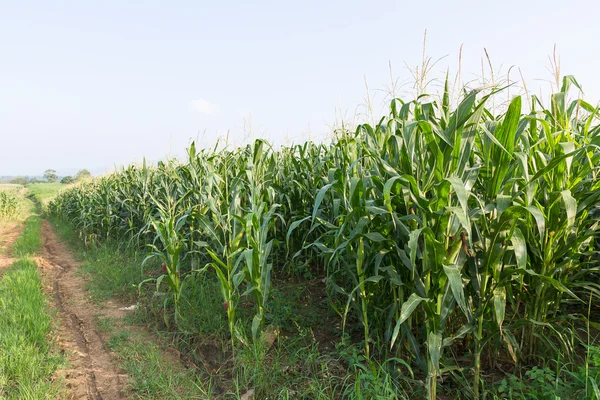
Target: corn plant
x=222 y=226
x=170 y=253
x=9 y=204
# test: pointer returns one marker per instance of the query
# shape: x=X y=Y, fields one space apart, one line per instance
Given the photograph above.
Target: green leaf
x=319 y=199
x=238 y=278
x=159 y=281
x=462 y=331
x=499 y=305
x=557 y=284
x=554 y=163
x=293 y=226
x=570 y=207
x=519 y=248
x=461 y=192
x=434 y=348
x=256 y=324
x=407 y=309
x=539 y=219
x=456 y=285
x=595 y=387
x=387 y=190
x=413 y=245
x=375 y=237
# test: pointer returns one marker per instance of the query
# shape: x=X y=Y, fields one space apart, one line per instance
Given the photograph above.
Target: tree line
x=50 y=176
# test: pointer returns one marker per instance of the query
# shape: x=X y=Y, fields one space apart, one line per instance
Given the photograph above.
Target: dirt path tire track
x=94 y=374
x=9 y=232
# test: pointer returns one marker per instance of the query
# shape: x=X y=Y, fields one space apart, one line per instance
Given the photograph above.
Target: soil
x=9 y=232
x=93 y=373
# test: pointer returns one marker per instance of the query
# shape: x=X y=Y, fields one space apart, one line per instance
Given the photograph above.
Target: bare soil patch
x=9 y=232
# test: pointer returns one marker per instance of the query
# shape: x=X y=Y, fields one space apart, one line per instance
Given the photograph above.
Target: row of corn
x=439 y=229
x=9 y=204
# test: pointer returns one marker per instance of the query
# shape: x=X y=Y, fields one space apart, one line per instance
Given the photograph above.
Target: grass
x=112 y=268
x=29 y=242
x=44 y=192
x=28 y=361
x=151 y=376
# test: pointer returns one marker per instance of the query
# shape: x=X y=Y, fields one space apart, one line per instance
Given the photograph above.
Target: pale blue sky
x=90 y=84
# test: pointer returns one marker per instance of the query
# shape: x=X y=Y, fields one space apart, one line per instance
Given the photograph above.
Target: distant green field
x=9 y=186
x=44 y=192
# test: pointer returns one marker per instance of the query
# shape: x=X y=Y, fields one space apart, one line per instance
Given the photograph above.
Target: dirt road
x=9 y=232
x=93 y=373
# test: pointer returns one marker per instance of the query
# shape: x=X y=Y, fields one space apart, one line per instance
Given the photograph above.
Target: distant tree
x=50 y=175
x=83 y=174
x=66 y=180
x=20 y=180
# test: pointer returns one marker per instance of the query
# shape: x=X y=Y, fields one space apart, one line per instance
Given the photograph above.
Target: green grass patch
x=42 y=193
x=27 y=359
x=113 y=270
x=30 y=241
x=151 y=377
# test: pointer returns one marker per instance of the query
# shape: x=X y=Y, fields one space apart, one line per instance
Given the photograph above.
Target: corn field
x=9 y=204
x=446 y=236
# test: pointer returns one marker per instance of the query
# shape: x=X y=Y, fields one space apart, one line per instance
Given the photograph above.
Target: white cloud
x=204 y=107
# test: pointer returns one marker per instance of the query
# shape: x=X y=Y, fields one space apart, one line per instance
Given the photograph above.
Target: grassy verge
x=28 y=361
x=115 y=270
x=42 y=193
x=30 y=240
x=150 y=376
